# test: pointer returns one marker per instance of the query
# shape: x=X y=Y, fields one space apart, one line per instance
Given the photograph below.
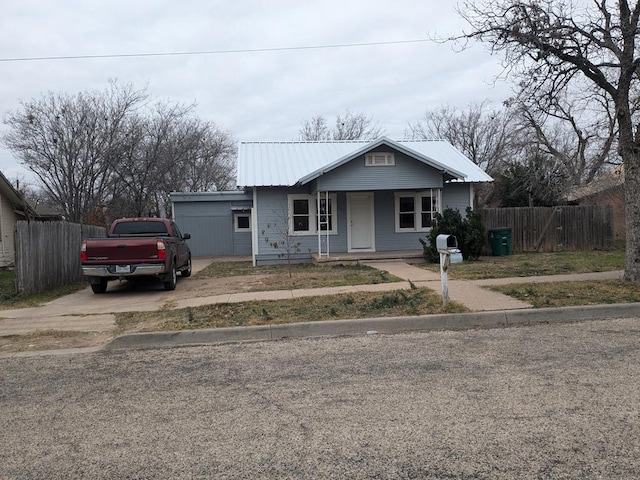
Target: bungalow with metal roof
x=318 y=200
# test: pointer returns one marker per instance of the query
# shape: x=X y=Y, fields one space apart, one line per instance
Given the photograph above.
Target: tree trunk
x=632 y=215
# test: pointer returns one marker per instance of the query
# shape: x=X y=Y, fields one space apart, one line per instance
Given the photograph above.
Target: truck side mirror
x=186 y=236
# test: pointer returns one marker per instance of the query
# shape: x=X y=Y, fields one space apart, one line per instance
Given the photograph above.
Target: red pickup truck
x=136 y=247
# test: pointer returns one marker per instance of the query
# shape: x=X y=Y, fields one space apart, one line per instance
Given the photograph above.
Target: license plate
x=123 y=268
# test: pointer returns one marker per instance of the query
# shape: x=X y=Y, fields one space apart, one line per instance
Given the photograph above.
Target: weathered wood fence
x=48 y=254
x=551 y=229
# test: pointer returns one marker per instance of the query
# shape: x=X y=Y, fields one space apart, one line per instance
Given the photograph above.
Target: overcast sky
x=263 y=95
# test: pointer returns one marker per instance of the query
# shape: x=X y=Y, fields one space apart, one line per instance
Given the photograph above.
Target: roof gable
x=291 y=163
x=15 y=198
x=9 y=192
x=368 y=147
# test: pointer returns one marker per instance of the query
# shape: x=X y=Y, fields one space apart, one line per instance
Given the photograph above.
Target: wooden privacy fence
x=48 y=254
x=551 y=229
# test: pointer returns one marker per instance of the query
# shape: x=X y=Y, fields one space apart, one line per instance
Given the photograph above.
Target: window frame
x=418 y=212
x=313 y=214
x=236 y=226
x=389 y=159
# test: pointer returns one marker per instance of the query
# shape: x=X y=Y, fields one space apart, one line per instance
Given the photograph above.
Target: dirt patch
x=204 y=287
x=52 y=340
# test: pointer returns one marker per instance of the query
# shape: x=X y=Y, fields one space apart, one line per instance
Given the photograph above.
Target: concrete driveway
x=544 y=402
x=85 y=311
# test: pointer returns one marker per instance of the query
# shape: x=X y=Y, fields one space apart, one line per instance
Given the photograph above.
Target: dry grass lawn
x=534 y=264
x=418 y=301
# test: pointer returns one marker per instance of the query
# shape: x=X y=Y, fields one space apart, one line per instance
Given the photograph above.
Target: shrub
x=469 y=231
x=474 y=236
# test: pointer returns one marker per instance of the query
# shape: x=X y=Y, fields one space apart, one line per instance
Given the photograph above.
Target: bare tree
x=153 y=149
x=102 y=155
x=534 y=180
x=210 y=163
x=315 y=130
x=482 y=134
x=279 y=236
x=64 y=140
x=577 y=128
x=550 y=44
x=348 y=126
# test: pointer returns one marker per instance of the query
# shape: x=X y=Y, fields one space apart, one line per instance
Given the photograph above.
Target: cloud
x=254 y=95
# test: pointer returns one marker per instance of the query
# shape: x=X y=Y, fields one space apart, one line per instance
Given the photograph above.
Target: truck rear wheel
x=171 y=279
x=100 y=286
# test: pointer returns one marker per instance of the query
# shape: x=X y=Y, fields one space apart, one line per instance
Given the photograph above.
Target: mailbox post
x=447 y=246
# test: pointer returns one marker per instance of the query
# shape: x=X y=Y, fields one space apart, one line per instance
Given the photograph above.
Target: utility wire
x=209 y=52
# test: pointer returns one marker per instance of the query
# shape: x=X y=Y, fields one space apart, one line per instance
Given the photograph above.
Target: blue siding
x=354 y=176
x=209 y=220
x=456 y=196
x=210 y=235
x=210 y=224
x=272 y=207
x=242 y=243
x=386 y=237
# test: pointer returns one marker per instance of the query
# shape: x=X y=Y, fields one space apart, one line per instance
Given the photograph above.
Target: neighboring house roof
x=19 y=204
x=290 y=163
x=602 y=183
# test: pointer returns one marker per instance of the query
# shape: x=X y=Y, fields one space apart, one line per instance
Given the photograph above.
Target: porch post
x=254 y=227
x=320 y=223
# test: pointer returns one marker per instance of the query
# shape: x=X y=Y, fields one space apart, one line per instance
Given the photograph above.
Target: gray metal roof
x=228 y=196
x=290 y=163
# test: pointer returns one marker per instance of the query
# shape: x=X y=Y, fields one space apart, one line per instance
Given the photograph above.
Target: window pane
x=301 y=207
x=426 y=204
x=243 y=221
x=300 y=223
x=407 y=220
x=426 y=220
x=323 y=206
x=406 y=204
x=323 y=226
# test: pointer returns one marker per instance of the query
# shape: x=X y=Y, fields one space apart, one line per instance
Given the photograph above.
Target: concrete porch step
x=410 y=256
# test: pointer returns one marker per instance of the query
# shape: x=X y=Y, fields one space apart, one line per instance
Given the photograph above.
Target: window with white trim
x=242 y=222
x=415 y=211
x=379 y=159
x=304 y=218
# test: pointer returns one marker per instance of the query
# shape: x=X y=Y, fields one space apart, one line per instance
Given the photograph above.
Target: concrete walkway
x=465 y=292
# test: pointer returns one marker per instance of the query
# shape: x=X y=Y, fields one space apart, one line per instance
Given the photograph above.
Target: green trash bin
x=500 y=240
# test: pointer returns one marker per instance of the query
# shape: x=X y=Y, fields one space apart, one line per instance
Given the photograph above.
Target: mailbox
x=447 y=246
x=445 y=243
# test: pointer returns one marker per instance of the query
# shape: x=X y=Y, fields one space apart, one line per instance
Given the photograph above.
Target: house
x=606 y=189
x=317 y=200
x=219 y=222
x=13 y=207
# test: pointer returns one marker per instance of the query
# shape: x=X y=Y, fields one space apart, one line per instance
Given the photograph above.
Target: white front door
x=360 y=222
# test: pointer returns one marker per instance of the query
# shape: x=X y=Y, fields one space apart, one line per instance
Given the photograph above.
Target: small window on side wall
x=242 y=222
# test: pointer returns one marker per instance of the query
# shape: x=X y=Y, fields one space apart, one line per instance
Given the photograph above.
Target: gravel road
x=551 y=401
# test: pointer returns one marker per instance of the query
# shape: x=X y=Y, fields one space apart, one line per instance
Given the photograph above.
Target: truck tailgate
x=122 y=251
